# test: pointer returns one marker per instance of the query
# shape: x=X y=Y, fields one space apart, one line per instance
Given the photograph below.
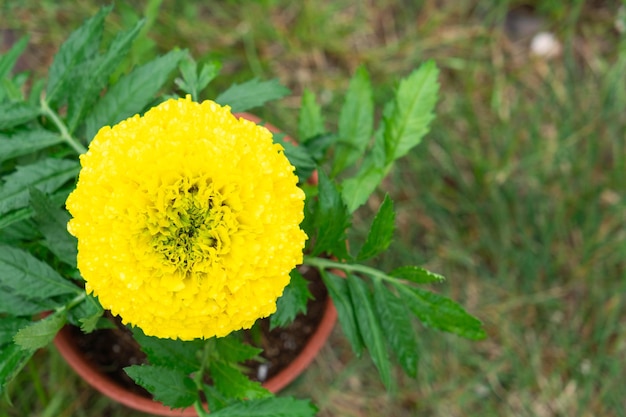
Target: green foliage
x=292 y=302
x=193 y=81
x=381 y=231
x=269 y=407
x=40 y=333
x=406 y=120
x=310 y=120
x=23 y=274
x=170 y=353
x=24 y=143
x=131 y=93
x=331 y=221
x=299 y=157
x=16 y=113
x=231 y=382
x=369 y=326
x=356 y=122
x=251 y=94
x=52 y=222
x=170 y=386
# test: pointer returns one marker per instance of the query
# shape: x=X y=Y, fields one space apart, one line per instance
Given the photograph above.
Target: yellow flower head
x=187 y=220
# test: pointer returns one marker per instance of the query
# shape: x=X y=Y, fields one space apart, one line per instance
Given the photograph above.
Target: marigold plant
x=125 y=198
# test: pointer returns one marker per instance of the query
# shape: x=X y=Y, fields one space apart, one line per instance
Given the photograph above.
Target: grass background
x=517 y=195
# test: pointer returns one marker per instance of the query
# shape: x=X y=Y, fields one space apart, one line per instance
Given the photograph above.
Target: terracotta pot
x=101 y=382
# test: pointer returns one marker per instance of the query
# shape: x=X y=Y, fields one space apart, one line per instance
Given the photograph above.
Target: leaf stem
x=65 y=134
x=324 y=263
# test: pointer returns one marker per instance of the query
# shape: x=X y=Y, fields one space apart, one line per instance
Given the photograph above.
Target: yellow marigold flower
x=187 y=220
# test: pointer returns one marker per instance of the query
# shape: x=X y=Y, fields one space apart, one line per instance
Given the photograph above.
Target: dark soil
x=114 y=349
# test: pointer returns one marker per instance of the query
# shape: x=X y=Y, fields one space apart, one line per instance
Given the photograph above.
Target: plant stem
x=324 y=263
x=65 y=134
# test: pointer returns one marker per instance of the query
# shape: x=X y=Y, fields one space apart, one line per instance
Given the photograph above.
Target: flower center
x=190 y=225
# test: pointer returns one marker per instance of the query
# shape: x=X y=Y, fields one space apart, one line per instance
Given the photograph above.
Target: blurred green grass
x=517 y=194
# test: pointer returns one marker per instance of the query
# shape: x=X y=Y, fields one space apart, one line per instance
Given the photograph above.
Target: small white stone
x=545 y=44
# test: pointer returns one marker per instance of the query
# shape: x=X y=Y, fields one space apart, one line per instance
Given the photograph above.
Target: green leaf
x=252 y=93
x=172 y=387
x=413 y=111
x=168 y=353
x=9 y=326
x=370 y=327
x=310 y=120
x=12 y=360
x=8 y=59
x=40 y=333
x=20 y=305
x=331 y=221
x=269 y=407
x=292 y=302
x=441 y=313
x=298 y=157
x=193 y=82
x=25 y=143
x=232 y=383
x=24 y=274
x=52 y=221
x=46 y=175
x=234 y=350
x=338 y=291
x=381 y=232
x=86 y=314
x=79 y=47
x=132 y=93
x=95 y=74
x=397 y=327
x=16 y=113
x=356 y=122
x=416 y=274
x=23 y=214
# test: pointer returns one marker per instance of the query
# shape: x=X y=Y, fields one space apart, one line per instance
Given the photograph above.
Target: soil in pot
x=114 y=349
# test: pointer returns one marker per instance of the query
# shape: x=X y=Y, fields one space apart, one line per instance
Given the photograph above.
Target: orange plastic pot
x=101 y=382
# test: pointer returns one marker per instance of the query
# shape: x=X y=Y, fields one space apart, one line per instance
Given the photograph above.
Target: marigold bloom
x=187 y=220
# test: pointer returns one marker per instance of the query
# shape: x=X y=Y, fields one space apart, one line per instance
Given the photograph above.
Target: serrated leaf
x=25 y=143
x=79 y=47
x=369 y=327
x=40 y=333
x=252 y=93
x=356 y=122
x=132 y=93
x=194 y=82
x=441 y=313
x=9 y=326
x=299 y=157
x=46 y=175
x=86 y=314
x=95 y=74
x=416 y=274
x=269 y=407
x=292 y=302
x=310 y=120
x=381 y=232
x=12 y=360
x=8 y=59
x=170 y=386
x=357 y=189
x=16 y=113
x=19 y=305
x=413 y=111
x=331 y=221
x=169 y=353
x=23 y=214
x=52 y=221
x=26 y=275
x=397 y=327
x=338 y=291
x=232 y=383
x=234 y=350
